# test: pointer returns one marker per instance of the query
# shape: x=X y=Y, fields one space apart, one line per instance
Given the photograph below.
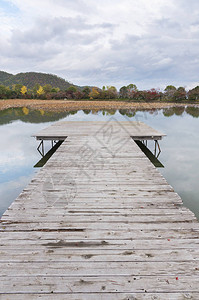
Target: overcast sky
x=151 y=43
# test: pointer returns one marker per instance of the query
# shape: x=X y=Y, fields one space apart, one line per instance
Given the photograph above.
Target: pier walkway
x=99 y=221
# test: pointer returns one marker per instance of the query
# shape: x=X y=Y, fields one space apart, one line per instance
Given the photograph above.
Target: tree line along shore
x=125 y=93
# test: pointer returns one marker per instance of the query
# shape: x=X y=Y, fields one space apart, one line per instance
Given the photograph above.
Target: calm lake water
x=180 y=149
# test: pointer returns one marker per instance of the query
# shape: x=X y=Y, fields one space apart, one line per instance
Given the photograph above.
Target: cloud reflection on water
x=179 y=155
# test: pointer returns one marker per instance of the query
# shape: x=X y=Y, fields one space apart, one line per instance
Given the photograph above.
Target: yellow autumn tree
x=94 y=93
x=42 y=112
x=25 y=110
x=24 y=90
x=40 y=91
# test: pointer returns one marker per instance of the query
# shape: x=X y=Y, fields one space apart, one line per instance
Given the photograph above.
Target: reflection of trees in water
x=154 y=111
x=168 y=112
x=87 y=111
x=127 y=112
x=72 y=112
x=177 y=110
x=27 y=115
x=193 y=111
x=110 y=112
x=41 y=116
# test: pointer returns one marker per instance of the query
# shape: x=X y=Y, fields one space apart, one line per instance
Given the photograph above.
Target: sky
x=106 y=42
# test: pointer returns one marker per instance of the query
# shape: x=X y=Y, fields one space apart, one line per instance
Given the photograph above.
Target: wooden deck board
x=137 y=130
x=105 y=296
x=99 y=221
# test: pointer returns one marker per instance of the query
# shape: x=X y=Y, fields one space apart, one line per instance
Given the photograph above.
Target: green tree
x=169 y=92
x=4 y=92
x=35 y=89
x=132 y=87
x=70 y=92
x=129 y=91
x=55 y=90
x=170 y=88
x=111 y=92
x=72 y=89
x=180 y=94
x=123 y=92
x=47 y=88
x=17 y=89
x=193 y=95
x=86 y=90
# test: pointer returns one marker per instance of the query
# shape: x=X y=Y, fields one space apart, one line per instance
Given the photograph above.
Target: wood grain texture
x=99 y=221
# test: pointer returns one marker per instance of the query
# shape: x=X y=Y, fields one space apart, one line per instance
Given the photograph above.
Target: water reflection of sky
x=180 y=154
x=17 y=157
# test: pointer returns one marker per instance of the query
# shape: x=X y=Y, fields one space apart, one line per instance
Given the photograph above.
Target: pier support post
x=157 y=146
x=41 y=145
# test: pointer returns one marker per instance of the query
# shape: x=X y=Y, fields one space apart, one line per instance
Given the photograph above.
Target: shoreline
x=68 y=105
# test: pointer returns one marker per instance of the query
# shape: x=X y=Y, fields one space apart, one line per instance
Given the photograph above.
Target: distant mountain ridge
x=30 y=79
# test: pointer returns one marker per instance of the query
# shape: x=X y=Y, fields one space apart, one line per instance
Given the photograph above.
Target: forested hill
x=30 y=79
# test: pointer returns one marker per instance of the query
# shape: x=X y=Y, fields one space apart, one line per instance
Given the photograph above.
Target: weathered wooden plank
x=108 y=226
x=98 y=220
x=112 y=284
x=127 y=212
x=166 y=244
x=87 y=234
x=139 y=268
x=104 y=296
x=79 y=255
x=145 y=196
x=66 y=226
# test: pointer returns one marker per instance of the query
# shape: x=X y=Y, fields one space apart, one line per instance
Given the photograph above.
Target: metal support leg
x=43 y=148
x=157 y=145
x=41 y=145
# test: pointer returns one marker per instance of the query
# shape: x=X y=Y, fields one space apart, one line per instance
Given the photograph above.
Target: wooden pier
x=99 y=221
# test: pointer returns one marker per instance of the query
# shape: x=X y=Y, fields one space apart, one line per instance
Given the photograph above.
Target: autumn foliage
x=126 y=93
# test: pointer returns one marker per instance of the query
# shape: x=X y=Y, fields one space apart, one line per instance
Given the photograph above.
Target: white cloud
x=152 y=43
